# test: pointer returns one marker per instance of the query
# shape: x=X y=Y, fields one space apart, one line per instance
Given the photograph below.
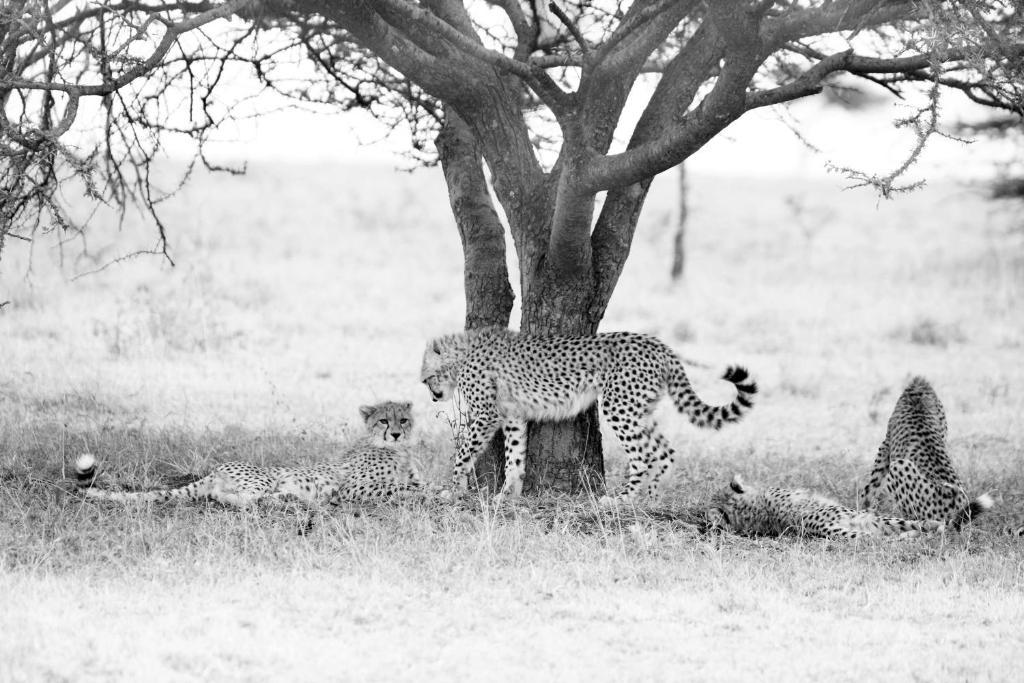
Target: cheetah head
x=388 y=420
x=441 y=362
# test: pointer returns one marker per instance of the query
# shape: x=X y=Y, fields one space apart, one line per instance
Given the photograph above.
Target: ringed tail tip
x=740 y=377
x=85 y=469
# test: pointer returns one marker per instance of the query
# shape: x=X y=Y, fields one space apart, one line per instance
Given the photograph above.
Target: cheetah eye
x=382 y=421
x=403 y=421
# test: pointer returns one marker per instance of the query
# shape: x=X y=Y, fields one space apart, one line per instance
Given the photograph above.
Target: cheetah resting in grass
x=771 y=512
x=913 y=474
x=507 y=378
x=366 y=472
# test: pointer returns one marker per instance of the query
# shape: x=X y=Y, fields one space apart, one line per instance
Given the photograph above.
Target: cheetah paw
x=504 y=496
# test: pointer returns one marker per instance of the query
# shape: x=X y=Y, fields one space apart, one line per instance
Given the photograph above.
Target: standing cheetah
x=507 y=378
x=366 y=472
x=772 y=512
x=913 y=471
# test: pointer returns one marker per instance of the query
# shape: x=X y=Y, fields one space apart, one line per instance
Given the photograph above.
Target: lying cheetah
x=771 y=512
x=508 y=378
x=913 y=474
x=388 y=421
x=365 y=473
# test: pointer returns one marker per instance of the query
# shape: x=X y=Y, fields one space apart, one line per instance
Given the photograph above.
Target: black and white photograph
x=511 y=340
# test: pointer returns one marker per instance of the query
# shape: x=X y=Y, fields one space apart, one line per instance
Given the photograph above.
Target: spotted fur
x=370 y=474
x=388 y=421
x=366 y=472
x=507 y=379
x=770 y=511
x=913 y=475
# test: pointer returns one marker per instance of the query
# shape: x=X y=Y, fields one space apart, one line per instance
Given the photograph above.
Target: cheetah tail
x=700 y=413
x=85 y=470
x=978 y=506
x=85 y=479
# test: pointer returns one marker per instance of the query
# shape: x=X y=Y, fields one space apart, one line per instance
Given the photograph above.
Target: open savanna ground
x=302 y=292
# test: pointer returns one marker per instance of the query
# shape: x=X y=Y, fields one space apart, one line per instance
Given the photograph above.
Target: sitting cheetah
x=365 y=473
x=388 y=421
x=507 y=378
x=771 y=512
x=913 y=471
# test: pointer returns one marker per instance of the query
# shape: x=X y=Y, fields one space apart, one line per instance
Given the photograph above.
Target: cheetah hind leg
x=515 y=458
x=661 y=457
x=648 y=451
x=636 y=470
x=639 y=446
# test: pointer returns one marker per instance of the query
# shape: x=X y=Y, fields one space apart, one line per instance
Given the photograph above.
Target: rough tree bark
x=489 y=295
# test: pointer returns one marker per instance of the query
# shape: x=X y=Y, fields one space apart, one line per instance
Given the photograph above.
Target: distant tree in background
x=534 y=94
x=679 y=235
x=1008 y=180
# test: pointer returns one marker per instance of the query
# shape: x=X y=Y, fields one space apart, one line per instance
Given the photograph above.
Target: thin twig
x=126 y=257
x=564 y=18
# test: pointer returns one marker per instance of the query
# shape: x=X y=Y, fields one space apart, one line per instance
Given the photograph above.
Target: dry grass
x=304 y=292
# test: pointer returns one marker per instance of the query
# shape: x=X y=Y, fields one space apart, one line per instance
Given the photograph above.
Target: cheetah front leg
x=479 y=433
x=515 y=458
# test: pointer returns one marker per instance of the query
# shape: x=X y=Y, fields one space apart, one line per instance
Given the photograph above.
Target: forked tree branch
x=700 y=125
x=419 y=23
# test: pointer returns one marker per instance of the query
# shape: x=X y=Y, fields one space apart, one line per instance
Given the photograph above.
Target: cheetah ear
x=366 y=411
x=435 y=346
x=736 y=484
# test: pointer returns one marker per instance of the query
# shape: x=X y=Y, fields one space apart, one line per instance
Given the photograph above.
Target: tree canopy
x=93 y=89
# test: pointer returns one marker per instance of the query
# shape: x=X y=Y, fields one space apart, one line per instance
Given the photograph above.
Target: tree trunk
x=561 y=456
x=564 y=456
x=568 y=267
x=489 y=295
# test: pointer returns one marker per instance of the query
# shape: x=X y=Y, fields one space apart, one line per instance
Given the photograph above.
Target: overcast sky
x=759 y=143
